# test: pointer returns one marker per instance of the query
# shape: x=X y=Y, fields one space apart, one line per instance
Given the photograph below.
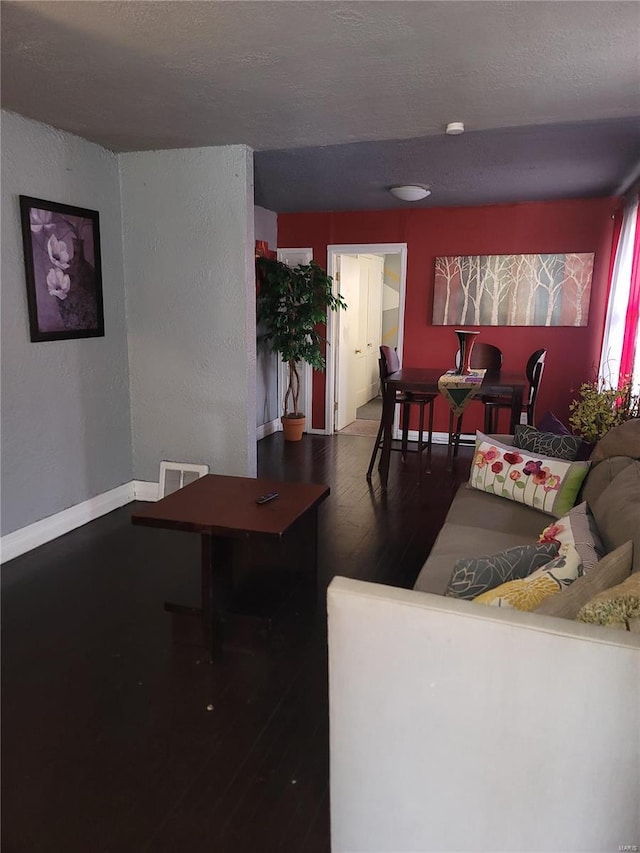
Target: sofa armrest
x=461 y=727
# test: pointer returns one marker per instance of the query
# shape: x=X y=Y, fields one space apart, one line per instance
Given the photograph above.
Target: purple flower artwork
x=63 y=270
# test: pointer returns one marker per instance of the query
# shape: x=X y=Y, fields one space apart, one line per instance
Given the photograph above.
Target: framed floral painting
x=63 y=270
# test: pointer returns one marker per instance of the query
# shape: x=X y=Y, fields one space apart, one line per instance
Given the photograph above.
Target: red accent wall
x=582 y=225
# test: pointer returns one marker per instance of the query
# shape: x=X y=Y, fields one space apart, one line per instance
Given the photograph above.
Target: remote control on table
x=264 y=499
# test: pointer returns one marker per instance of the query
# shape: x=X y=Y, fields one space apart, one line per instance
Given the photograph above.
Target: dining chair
x=388 y=363
x=483 y=357
x=494 y=405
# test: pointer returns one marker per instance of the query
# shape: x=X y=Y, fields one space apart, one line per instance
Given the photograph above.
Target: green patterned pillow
x=556 y=446
x=550 y=485
x=529 y=593
x=618 y=607
x=475 y=575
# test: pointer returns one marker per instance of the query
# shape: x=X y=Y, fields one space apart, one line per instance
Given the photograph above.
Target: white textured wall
x=188 y=238
x=66 y=433
x=267 y=402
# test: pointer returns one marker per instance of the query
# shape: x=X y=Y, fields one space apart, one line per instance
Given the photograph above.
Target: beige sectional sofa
x=479 y=523
x=462 y=727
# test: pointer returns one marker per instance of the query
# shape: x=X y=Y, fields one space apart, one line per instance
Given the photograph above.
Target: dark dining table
x=425 y=380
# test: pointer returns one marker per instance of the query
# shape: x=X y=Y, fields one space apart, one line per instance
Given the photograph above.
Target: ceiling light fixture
x=410 y=192
x=454 y=128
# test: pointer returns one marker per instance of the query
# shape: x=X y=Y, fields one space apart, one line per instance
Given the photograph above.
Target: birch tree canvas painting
x=513 y=290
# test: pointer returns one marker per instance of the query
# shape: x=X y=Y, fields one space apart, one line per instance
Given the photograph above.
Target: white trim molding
x=143 y=490
x=267 y=429
x=40 y=532
x=437 y=437
x=33 y=535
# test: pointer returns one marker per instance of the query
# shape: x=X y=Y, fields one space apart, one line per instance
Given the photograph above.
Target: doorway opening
x=371 y=278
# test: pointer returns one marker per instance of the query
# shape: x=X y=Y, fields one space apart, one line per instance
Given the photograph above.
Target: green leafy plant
x=292 y=302
x=600 y=407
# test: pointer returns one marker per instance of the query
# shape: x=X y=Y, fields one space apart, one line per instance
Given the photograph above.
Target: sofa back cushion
x=612 y=569
x=601 y=475
x=617 y=511
x=623 y=440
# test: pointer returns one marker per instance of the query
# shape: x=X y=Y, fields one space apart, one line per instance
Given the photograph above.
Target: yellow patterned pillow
x=527 y=593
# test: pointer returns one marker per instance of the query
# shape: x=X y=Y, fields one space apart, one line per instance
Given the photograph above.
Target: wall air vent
x=175 y=475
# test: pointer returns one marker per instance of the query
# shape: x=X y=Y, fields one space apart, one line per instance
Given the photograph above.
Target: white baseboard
x=40 y=532
x=143 y=490
x=441 y=437
x=33 y=535
x=267 y=429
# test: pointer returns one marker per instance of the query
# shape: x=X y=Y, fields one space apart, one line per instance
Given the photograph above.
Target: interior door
x=360 y=363
x=349 y=320
x=375 y=273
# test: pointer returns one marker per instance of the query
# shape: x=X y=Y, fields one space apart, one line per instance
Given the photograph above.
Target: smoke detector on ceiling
x=454 y=128
x=410 y=192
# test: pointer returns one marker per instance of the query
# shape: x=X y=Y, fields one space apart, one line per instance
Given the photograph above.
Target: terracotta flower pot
x=293 y=427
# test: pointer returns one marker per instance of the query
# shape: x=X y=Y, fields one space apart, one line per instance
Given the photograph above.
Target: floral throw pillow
x=577 y=529
x=550 y=485
x=528 y=593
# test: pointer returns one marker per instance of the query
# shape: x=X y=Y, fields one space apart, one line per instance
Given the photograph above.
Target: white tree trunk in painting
x=530 y=263
x=495 y=283
x=519 y=277
x=550 y=266
x=465 y=274
x=447 y=268
x=477 y=291
x=579 y=271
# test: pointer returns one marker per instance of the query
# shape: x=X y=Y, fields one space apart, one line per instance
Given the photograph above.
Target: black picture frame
x=63 y=268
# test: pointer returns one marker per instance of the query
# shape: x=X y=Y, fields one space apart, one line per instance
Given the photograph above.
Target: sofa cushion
x=550 y=485
x=617 y=511
x=612 y=569
x=577 y=529
x=601 y=475
x=473 y=508
x=623 y=440
x=528 y=593
x=475 y=575
x=549 y=444
x=617 y=607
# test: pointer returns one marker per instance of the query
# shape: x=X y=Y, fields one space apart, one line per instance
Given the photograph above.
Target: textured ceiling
x=296 y=75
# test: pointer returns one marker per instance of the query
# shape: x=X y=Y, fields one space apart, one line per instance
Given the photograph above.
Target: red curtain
x=633 y=312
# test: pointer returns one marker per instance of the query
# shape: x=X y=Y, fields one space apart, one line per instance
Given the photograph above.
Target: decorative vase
x=292 y=427
x=466 y=341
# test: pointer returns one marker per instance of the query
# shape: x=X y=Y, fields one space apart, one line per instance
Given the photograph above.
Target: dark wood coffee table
x=223 y=509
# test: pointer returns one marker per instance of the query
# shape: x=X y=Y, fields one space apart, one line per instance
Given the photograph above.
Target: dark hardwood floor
x=109 y=745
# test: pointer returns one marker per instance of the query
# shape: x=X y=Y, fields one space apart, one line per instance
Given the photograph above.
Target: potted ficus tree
x=292 y=302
